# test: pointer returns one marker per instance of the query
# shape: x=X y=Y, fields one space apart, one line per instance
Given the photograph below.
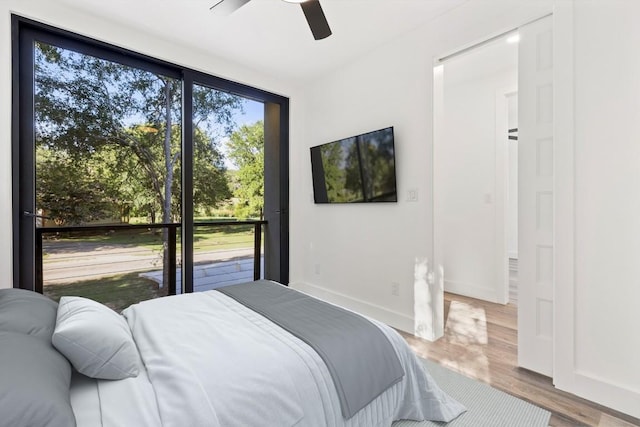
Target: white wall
x=67 y=18
x=361 y=250
x=600 y=311
x=471 y=212
x=608 y=188
x=512 y=184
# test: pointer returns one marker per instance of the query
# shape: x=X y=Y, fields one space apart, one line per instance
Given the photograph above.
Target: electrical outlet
x=412 y=195
x=395 y=289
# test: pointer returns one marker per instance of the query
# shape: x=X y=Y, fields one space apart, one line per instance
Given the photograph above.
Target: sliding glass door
x=124 y=166
x=107 y=152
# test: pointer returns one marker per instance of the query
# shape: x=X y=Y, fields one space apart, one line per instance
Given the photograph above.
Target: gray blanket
x=360 y=358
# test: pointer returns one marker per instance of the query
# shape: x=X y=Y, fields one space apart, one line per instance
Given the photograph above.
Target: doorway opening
x=475 y=171
x=472 y=188
x=512 y=189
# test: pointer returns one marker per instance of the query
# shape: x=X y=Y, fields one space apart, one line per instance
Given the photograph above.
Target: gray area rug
x=486 y=406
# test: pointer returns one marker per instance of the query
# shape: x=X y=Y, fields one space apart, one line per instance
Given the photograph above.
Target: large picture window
x=124 y=166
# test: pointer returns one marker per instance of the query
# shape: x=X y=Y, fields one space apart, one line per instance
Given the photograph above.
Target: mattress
x=207 y=360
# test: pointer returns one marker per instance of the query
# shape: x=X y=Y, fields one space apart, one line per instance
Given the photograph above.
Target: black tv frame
x=320 y=195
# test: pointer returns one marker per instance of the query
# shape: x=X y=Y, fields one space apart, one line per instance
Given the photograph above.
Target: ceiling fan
x=311 y=8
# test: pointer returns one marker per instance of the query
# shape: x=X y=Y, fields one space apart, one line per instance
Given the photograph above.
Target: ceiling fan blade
x=316 y=19
x=227 y=7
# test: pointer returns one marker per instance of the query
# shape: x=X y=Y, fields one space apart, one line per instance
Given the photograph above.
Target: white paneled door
x=535 y=197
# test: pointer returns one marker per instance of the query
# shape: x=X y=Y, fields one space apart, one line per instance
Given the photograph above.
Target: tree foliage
x=360 y=168
x=112 y=135
x=341 y=171
x=87 y=107
x=246 y=151
x=72 y=191
x=378 y=163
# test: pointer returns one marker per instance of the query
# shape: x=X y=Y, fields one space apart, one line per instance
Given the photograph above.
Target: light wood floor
x=480 y=341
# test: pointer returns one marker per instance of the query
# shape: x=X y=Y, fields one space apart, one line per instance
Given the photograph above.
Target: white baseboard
x=472 y=291
x=603 y=391
x=384 y=315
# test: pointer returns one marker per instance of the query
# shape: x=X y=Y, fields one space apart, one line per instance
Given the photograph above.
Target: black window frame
x=26 y=31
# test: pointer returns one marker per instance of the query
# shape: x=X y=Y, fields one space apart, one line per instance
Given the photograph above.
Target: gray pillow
x=96 y=340
x=34 y=383
x=27 y=312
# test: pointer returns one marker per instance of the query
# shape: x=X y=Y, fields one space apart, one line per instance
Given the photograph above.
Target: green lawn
x=123 y=289
x=205 y=237
x=117 y=292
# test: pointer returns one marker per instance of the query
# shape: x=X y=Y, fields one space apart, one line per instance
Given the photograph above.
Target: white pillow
x=96 y=340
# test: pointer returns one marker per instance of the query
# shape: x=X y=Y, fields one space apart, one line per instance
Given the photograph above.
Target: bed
x=205 y=359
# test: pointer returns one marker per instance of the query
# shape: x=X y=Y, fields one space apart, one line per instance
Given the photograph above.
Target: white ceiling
x=272 y=35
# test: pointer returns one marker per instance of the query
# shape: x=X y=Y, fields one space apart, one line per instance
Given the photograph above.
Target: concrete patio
x=212 y=275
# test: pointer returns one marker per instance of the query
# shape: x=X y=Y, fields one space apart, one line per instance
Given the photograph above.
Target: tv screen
x=356 y=169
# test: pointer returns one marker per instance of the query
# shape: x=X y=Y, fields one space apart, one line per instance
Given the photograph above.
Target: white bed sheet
x=109 y=403
x=196 y=371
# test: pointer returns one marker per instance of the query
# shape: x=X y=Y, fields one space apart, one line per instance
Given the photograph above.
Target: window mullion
x=187 y=182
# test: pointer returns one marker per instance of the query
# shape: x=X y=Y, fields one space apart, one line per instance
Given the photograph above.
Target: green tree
x=246 y=151
x=341 y=171
x=85 y=106
x=211 y=185
x=71 y=191
x=378 y=161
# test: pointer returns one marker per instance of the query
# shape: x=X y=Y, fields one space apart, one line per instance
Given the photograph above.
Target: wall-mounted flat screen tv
x=358 y=169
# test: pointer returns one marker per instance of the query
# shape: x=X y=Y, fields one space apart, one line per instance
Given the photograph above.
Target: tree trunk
x=168 y=183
